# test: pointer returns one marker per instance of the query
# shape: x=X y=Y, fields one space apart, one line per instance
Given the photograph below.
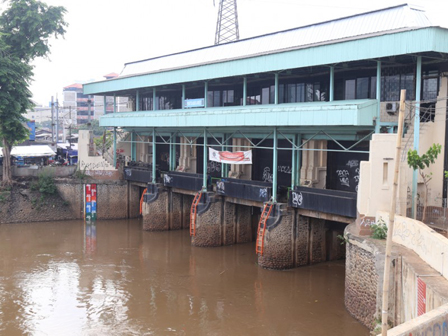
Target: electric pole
x=57 y=120
x=52 y=119
x=227 y=24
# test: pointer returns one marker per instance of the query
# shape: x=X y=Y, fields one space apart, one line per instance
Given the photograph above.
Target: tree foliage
x=26 y=27
x=416 y=161
x=419 y=163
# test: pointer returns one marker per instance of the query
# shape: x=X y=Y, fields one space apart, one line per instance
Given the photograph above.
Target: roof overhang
x=432 y=39
x=328 y=114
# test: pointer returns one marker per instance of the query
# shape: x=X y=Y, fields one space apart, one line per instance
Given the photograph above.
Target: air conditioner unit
x=391 y=108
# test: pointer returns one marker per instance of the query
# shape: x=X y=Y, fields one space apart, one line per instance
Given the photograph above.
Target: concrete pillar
x=209 y=225
x=278 y=250
x=156 y=213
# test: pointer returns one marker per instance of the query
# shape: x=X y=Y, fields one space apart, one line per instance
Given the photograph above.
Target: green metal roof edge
x=373 y=47
x=353 y=113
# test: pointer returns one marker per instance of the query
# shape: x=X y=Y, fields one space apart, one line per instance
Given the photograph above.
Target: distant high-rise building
x=75 y=100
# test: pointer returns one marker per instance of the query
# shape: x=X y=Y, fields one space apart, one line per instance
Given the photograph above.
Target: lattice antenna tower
x=227 y=23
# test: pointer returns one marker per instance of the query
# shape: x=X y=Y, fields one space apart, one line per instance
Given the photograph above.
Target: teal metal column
x=204 y=181
x=274 y=167
x=224 y=166
x=183 y=96
x=276 y=89
x=137 y=100
x=115 y=103
x=378 y=96
x=172 y=152
x=294 y=162
x=205 y=94
x=115 y=147
x=244 y=91
x=332 y=83
x=133 y=147
x=418 y=88
x=154 y=105
x=105 y=105
x=153 y=155
x=299 y=160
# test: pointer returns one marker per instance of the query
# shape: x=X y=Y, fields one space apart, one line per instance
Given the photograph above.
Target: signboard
x=230 y=157
x=192 y=103
x=31 y=126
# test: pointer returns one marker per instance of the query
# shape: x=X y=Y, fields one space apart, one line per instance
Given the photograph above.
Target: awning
x=31 y=151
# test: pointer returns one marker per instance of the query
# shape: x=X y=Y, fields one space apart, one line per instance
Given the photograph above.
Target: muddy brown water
x=112 y=278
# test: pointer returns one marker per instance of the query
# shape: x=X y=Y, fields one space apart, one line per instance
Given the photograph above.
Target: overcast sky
x=104 y=34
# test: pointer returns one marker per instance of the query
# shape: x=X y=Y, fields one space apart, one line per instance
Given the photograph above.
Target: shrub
x=44 y=184
x=379 y=229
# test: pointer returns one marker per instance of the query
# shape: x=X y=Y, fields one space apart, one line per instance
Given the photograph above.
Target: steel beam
x=274 y=166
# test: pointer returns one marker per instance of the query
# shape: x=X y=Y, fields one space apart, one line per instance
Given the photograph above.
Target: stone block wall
x=175 y=210
x=407 y=297
x=299 y=240
x=361 y=284
x=278 y=252
x=170 y=211
x=230 y=223
x=187 y=200
x=302 y=240
x=317 y=241
x=156 y=214
x=244 y=227
x=209 y=227
x=113 y=198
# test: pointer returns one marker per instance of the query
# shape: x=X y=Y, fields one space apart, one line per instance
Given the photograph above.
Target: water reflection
x=111 y=278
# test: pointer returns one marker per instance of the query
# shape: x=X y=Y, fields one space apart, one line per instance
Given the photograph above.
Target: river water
x=112 y=278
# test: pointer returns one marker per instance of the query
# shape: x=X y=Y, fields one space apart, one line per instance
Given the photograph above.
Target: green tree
x=25 y=29
x=94 y=126
x=416 y=161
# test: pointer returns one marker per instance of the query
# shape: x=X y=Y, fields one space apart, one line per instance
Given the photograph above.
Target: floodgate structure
x=284 y=139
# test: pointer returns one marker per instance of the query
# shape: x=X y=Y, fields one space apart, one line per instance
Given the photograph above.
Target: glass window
x=372 y=87
x=291 y=93
x=309 y=92
x=316 y=91
x=362 y=88
x=350 y=86
x=430 y=88
x=300 y=92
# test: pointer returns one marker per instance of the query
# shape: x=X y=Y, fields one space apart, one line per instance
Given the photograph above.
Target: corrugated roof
x=383 y=21
x=76 y=86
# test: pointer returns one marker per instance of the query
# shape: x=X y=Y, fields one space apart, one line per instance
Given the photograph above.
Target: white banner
x=230 y=157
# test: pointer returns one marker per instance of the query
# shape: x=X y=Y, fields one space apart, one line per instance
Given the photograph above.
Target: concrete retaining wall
x=115 y=199
x=22 y=204
x=427 y=243
x=432 y=323
x=416 y=288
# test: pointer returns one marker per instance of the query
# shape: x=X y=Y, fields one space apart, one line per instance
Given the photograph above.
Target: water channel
x=112 y=278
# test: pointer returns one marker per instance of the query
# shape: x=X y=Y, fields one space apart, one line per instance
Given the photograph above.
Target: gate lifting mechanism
x=193 y=213
x=262 y=227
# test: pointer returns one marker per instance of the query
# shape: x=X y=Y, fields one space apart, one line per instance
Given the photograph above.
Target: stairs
x=262 y=227
x=193 y=213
